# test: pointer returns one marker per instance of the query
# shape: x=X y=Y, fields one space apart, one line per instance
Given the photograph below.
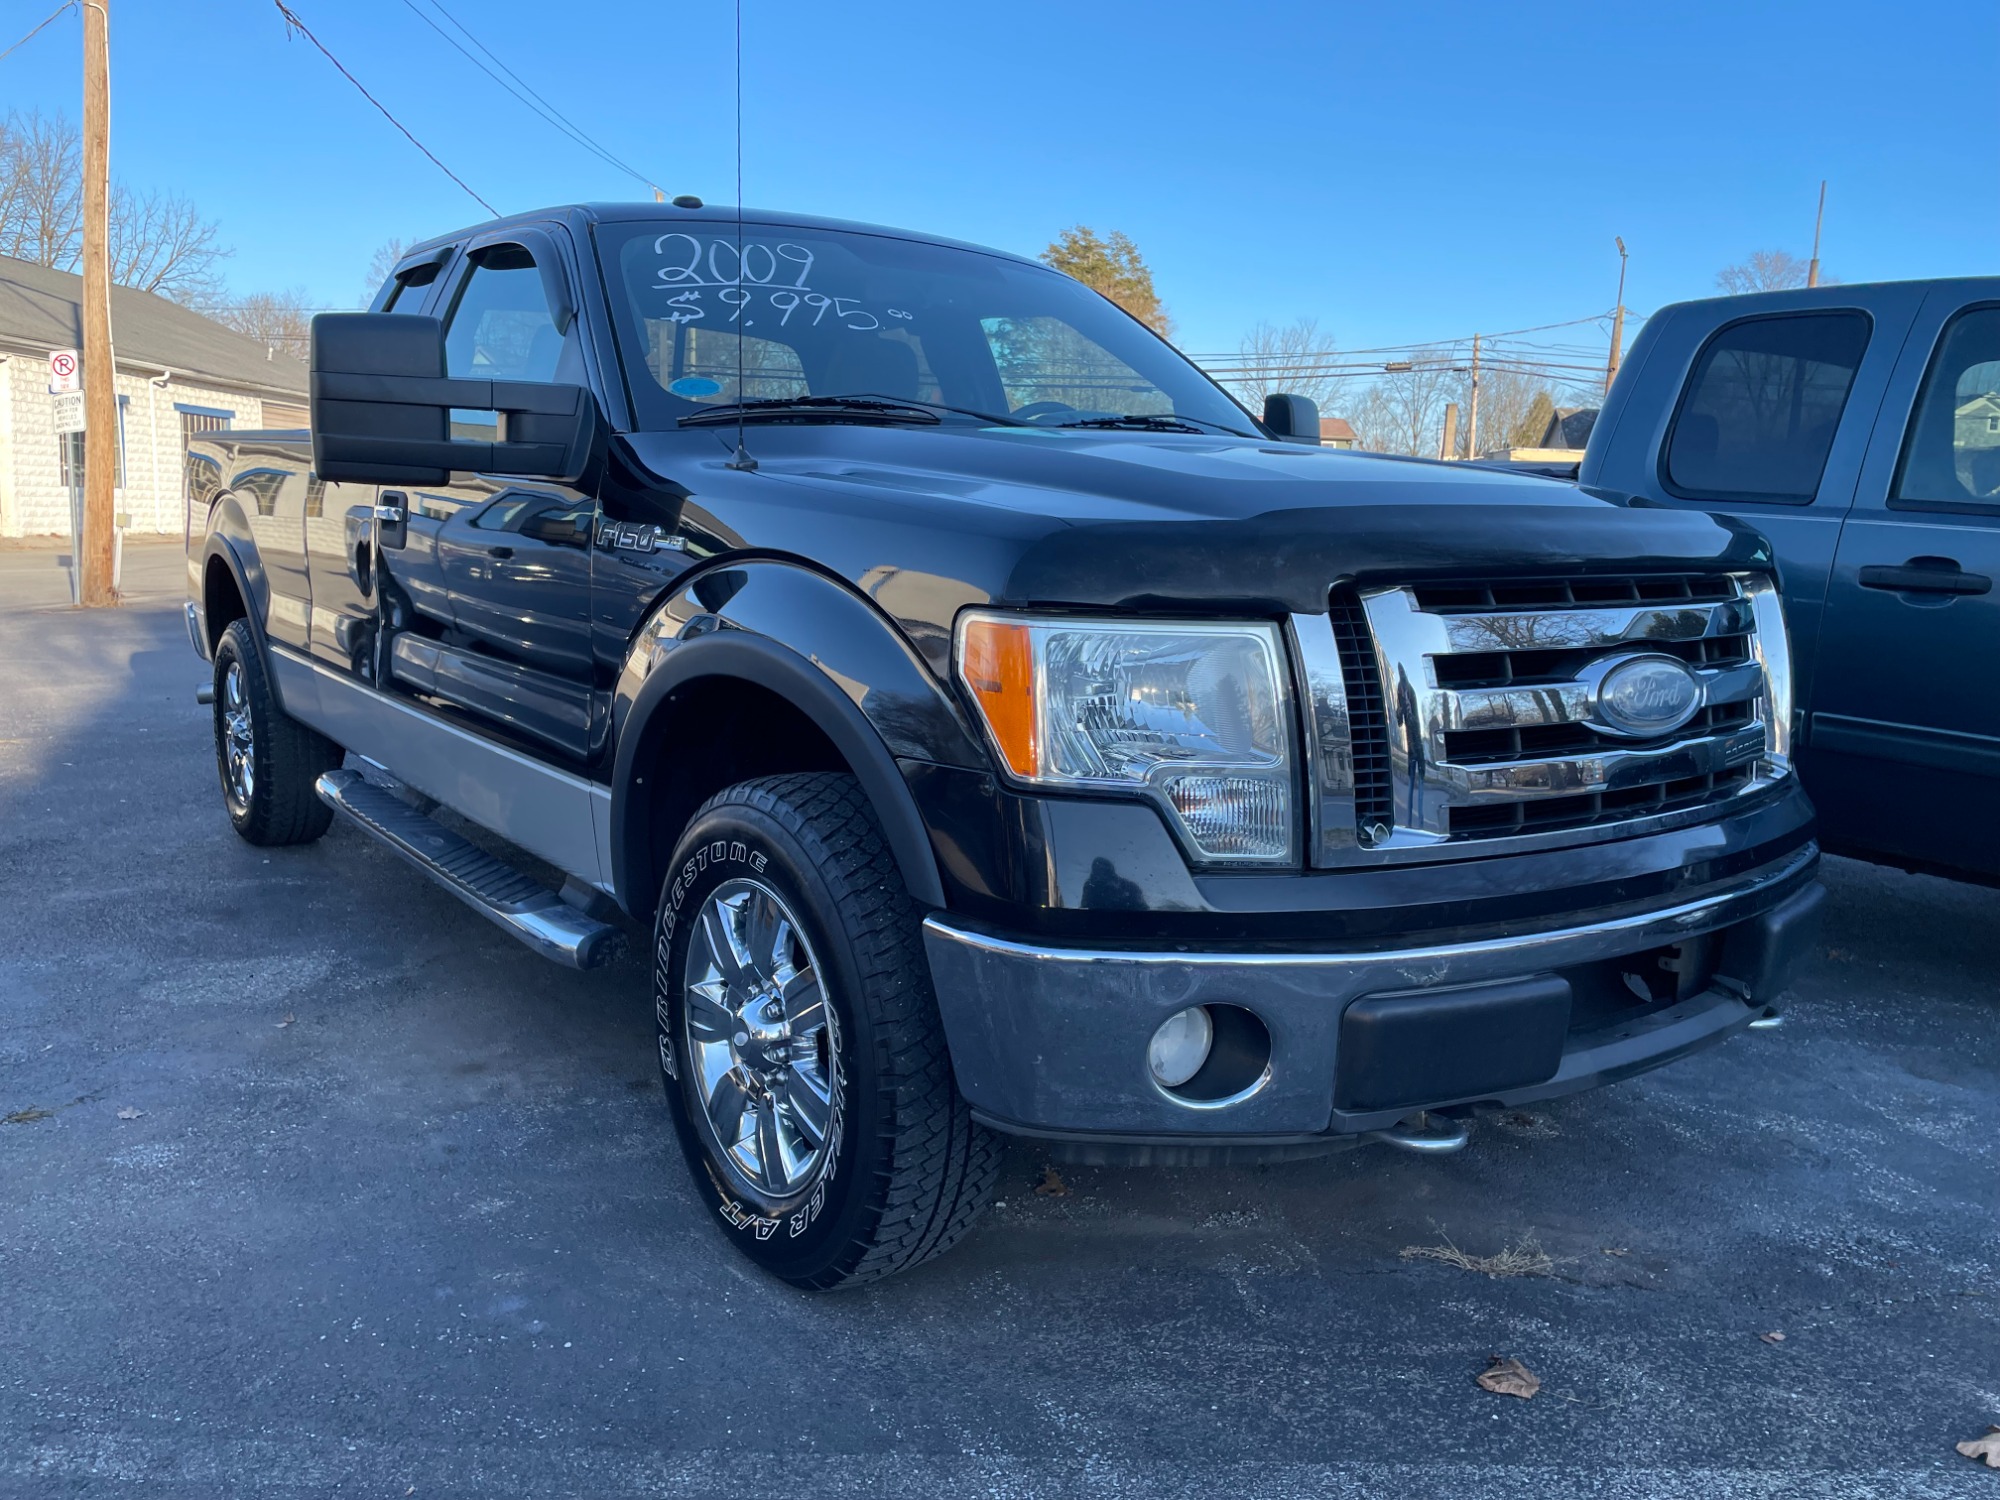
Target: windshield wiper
x=1149 y=422
x=810 y=408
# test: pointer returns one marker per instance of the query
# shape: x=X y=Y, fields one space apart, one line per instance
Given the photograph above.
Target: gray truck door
x=497 y=571
x=1904 y=741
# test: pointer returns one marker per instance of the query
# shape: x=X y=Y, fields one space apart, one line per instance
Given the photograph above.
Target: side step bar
x=511 y=900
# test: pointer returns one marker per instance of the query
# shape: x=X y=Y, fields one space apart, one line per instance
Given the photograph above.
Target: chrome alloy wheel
x=762 y=1043
x=239 y=751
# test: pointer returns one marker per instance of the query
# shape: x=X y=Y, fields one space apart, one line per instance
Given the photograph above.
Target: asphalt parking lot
x=314 y=1183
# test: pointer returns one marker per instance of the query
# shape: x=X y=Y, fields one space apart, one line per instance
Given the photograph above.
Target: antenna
x=742 y=460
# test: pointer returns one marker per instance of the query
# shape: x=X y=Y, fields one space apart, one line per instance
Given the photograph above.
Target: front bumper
x=1052 y=1041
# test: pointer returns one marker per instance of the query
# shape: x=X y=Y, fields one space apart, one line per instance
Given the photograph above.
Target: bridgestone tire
x=282 y=807
x=907 y=1170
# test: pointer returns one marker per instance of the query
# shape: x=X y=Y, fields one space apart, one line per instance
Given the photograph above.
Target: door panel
x=341 y=558
x=1903 y=751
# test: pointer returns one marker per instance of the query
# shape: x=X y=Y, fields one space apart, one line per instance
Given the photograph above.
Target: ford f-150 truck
x=1858 y=428
x=997 y=727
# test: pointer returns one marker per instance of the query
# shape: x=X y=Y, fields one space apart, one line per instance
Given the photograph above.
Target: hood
x=1137 y=520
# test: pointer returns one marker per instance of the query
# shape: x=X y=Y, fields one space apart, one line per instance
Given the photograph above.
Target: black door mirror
x=1293 y=418
x=382 y=403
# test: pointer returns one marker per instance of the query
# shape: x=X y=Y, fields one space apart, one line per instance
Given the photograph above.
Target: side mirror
x=1292 y=418
x=382 y=403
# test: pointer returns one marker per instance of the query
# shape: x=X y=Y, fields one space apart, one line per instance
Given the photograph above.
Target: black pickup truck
x=1858 y=428
x=997 y=727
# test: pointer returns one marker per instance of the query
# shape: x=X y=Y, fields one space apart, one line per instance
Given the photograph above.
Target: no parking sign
x=63 y=372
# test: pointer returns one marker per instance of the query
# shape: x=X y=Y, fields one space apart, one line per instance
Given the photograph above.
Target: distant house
x=1976 y=424
x=1562 y=441
x=1334 y=432
x=178 y=374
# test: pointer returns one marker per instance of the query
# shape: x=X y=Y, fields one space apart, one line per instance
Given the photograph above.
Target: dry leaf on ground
x=1509 y=1377
x=1052 y=1185
x=1618 y=1250
x=1525 y=1259
x=1987 y=1448
x=1773 y=1337
x=129 y=1113
x=289 y=1018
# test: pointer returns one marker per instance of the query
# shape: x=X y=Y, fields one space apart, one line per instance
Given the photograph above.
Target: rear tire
x=800 y=1040
x=267 y=760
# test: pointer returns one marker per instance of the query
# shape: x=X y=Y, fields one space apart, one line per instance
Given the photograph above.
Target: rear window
x=1760 y=410
x=1951 y=458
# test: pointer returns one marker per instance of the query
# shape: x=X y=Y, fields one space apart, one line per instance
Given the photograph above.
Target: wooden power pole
x=1617 y=321
x=1812 y=270
x=100 y=403
x=1472 y=405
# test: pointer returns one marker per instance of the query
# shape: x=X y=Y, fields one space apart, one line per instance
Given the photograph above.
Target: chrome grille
x=1474 y=712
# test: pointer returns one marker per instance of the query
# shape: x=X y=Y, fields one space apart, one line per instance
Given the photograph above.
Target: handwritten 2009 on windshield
x=774 y=274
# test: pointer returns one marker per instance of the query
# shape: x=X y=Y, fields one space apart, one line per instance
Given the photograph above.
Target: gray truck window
x=1760 y=410
x=500 y=327
x=1951 y=455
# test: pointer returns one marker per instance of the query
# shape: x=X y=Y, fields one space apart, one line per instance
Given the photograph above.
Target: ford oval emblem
x=1646 y=696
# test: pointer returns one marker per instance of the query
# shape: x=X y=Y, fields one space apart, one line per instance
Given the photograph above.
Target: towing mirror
x=382 y=404
x=1293 y=418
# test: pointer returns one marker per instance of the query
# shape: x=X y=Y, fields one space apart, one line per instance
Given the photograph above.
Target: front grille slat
x=1368 y=719
x=1493 y=727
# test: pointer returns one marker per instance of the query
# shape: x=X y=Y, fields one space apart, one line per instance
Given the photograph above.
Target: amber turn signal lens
x=998 y=664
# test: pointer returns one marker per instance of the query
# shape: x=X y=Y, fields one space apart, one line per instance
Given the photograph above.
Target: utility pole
x=1472 y=406
x=100 y=403
x=1812 y=270
x=1617 y=320
x=1448 y=444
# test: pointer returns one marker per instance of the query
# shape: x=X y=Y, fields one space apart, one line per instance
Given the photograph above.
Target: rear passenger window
x=1951 y=457
x=1760 y=410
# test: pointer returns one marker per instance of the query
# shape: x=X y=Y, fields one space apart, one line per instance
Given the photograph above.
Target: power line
x=295 y=24
x=66 y=5
x=525 y=91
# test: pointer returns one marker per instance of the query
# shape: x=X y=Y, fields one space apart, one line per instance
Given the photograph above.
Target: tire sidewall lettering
x=732 y=1210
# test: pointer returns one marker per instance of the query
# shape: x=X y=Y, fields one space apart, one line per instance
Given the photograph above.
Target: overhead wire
x=46 y=23
x=295 y=24
x=525 y=92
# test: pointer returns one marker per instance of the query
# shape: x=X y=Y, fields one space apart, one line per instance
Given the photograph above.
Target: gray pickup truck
x=997 y=728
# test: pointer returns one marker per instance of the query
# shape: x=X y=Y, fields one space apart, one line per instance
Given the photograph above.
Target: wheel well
x=222 y=601
x=712 y=733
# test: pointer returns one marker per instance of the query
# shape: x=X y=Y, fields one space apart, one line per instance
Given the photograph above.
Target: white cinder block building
x=178 y=374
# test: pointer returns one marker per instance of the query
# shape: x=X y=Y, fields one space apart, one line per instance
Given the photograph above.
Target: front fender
x=826 y=651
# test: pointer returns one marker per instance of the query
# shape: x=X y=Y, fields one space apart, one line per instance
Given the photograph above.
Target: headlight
x=1774 y=654
x=1194 y=715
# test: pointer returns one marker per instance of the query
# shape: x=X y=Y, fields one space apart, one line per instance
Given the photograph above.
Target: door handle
x=1926 y=576
x=501 y=552
x=392 y=519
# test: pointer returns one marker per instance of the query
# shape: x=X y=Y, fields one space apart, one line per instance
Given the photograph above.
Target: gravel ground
x=312 y=1183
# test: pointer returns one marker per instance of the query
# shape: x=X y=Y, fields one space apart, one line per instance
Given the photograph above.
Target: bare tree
x=159 y=242
x=1514 y=408
x=1403 y=412
x=1765 y=271
x=1278 y=359
x=278 y=320
x=380 y=265
x=41 y=204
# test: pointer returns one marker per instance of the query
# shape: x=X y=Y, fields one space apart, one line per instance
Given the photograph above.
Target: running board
x=510 y=899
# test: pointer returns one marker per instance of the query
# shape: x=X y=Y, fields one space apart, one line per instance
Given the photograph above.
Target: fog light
x=1180 y=1046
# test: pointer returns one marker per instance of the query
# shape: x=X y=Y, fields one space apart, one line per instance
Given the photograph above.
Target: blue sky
x=1400 y=172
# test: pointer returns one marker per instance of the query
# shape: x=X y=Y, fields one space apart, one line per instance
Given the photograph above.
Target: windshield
x=823 y=313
